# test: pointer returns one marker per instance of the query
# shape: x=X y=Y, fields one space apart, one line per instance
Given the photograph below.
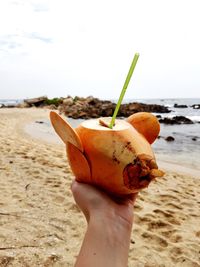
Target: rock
x=36 y=101
x=39 y=122
x=51 y=106
x=158 y=116
x=194 y=138
x=89 y=107
x=176 y=120
x=169 y=138
x=23 y=105
x=180 y=106
x=128 y=109
x=68 y=101
x=196 y=106
x=8 y=106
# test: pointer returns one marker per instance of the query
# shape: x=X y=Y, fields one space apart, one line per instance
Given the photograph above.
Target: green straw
x=132 y=67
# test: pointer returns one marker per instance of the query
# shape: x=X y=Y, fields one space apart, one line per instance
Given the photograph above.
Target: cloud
x=9 y=42
x=22 y=42
x=39 y=7
x=38 y=36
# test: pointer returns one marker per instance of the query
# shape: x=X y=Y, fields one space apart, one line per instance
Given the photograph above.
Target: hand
x=107 y=239
x=96 y=203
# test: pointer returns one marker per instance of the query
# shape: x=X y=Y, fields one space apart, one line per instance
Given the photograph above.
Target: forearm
x=106 y=243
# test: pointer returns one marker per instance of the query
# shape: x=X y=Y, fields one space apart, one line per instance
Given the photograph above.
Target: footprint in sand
x=152 y=223
x=184 y=261
x=168 y=217
x=59 y=199
x=156 y=240
x=198 y=234
x=172 y=235
x=186 y=204
x=159 y=224
x=51 y=261
x=168 y=233
x=172 y=205
x=5 y=260
x=167 y=198
x=138 y=207
x=176 y=238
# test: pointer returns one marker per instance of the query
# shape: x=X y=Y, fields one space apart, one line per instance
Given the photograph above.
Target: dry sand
x=41 y=226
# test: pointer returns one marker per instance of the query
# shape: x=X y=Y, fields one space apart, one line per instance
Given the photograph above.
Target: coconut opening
x=103 y=124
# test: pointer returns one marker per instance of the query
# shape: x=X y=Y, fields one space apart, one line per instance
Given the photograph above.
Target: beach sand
x=40 y=225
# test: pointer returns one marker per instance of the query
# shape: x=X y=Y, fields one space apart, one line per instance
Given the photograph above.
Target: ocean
x=185 y=149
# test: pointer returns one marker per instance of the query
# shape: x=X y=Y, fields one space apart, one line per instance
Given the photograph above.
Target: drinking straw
x=132 y=67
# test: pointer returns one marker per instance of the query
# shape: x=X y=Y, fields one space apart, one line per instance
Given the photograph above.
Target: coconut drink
x=112 y=154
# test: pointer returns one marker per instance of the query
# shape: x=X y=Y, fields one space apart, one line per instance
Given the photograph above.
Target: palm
x=93 y=201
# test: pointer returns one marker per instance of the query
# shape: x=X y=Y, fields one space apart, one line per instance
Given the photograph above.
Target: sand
x=40 y=225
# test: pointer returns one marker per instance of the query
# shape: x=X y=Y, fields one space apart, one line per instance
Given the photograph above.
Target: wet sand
x=41 y=226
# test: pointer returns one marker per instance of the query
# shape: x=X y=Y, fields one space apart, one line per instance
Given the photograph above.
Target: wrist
x=107 y=240
x=111 y=216
x=115 y=224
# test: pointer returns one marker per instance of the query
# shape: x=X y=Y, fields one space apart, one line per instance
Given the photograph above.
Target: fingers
x=89 y=196
x=79 y=192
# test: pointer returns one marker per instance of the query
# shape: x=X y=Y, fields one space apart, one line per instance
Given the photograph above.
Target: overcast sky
x=85 y=47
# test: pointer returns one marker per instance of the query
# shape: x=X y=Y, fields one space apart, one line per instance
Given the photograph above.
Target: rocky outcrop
x=180 y=106
x=169 y=138
x=128 y=109
x=176 y=120
x=196 y=106
x=38 y=101
x=91 y=107
x=86 y=108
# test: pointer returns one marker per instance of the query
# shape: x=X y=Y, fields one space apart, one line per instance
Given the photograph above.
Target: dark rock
x=36 y=101
x=176 y=120
x=194 y=138
x=128 y=109
x=8 y=106
x=169 y=138
x=180 y=106
x=158 y=116
x=39 y=122
x=196 y=106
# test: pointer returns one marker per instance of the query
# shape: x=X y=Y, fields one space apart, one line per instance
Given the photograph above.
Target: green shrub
x=54 y=101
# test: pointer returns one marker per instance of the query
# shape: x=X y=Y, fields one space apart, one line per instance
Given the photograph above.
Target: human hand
x=97 y=204
x=107 y=239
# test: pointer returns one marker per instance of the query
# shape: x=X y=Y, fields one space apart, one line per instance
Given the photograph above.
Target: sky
x=63 y=47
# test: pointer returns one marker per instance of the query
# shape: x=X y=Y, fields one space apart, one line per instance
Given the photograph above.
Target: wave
x=194 y=118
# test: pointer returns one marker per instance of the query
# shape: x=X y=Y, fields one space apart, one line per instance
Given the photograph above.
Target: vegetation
x=54 y=101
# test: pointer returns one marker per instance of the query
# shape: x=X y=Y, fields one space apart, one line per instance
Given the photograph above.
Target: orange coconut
x=147 y=124
x=119 y=160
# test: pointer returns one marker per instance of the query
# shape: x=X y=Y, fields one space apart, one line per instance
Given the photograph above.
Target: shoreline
x=42 y=226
